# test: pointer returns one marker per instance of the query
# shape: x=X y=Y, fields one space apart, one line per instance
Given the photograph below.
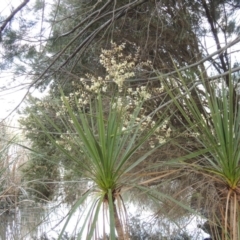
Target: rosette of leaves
x=106 y=159
x=213 y=119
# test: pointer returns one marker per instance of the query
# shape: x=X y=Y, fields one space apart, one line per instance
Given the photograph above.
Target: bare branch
x=97 y=12
x=11 y=16
x=232 y=43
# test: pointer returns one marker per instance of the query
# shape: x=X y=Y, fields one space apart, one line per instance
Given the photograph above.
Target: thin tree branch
x=117 y=14
x=11 y=16
x=236 y=69
x=97 y=12
x=232 y=43
x=212 y=22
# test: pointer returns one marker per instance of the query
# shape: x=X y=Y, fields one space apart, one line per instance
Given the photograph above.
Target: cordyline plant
x=215 y=123
x=106 y=150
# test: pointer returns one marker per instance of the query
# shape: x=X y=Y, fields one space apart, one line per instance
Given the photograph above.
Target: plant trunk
x=231 y=217
x=118 y=224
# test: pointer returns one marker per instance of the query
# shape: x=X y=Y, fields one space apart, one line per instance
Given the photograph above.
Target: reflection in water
x=45 y=222
x=21 y=223
x=28 y=223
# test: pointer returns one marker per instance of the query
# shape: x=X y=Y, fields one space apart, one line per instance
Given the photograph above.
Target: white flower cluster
x=119 y=68
x=94 y=85
x=68 y=140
